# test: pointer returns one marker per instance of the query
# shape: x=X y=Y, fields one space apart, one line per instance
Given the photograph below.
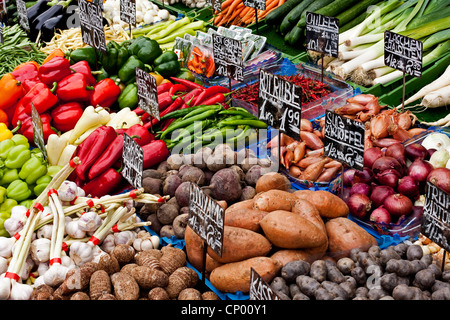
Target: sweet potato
x=240 y=244
x=308 y=210
x=235 y=276
x=329 y=205
x=272 y=181
x=345 y=235
x=274 y=200
x=246 y=204
x=194 y=250
x=244 y=218
x=289 y=230
x=310 y=254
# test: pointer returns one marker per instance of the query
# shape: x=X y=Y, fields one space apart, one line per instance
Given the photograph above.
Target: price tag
x=206 y=218
x=344 y=140
x=38 y=132
x=147 y=93
x=216 y=5
x=257 y=4
x=279 y=104
x=436 y=216
x=259 y=289
x=322 y=34
x=128 y=12
x=91 y=24
x=228 y=57
x=133 y=161
x=22 y=15
x=403 y=53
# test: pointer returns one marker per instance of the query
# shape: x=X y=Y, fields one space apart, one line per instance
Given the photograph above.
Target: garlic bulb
x=45 y=231
x=18 y=212
x=55 y=275
x=67 y=261
x=3 y=265
x=40 y=250
x=74 y=230
x=68 y=191
x=108 y=243
x=97 y=254
x=141 y=244
x=20 y=291
x=5 y=287
x=42 y=268
x=124 y=237
x=26 y=269
x=81 y=252
x=6 y=246
x=90 y=221
x=13 y=225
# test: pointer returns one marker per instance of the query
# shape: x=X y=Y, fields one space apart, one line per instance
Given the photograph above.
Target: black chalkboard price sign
x=279 y=103
x=228 y=57
x=91 y=24
x=38 y=131
x=259 y=289
x=128 y=13
x=215 y=5
x=322 y=34
x=133 y=161
x=147 y=93
x=257 y=5
x=22 y=15
x=344 y=140
x=436 y=216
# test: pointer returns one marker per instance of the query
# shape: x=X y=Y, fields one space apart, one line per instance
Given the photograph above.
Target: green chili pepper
x=180 y=112
x=9 y=175
x=32 y=170
x=17 y=156
x=222 y=132
x=41 y=184
x=237 y=122
x=7 y=205
x=245 y=114
x=203 y=109
x=5 y=147
x=191 y=129
x=187 y=122
x=18 y=190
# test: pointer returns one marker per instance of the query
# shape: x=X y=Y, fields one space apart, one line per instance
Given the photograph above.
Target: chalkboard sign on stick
x=133 y=161
x=22 y=15
x=91 y=24
x=344 y=140
x=128 y=13
x=147 y=93
x=38 y=131
x=228 y=57
x=257 y=5
x=259 y=289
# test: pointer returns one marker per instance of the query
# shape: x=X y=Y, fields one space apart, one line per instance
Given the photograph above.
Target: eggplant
x=49 y=26
x=38 y=8
x=57 y=8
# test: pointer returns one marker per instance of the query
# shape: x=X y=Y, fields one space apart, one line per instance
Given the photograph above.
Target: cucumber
x=332 y=9
x=277 y=15
x=313 y=7
x=293 y=16
x=354 y=11
x=297 y=34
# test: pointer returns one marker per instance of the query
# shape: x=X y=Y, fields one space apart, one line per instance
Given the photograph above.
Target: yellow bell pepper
x=159 y=78
x=5 y=133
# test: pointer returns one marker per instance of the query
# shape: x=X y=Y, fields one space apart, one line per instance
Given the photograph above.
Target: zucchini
x=354 y=11
x=293 y=16
x=332 y=9
x=297 y=34
x=353 y=23
x=313 y=7
x=277 y=15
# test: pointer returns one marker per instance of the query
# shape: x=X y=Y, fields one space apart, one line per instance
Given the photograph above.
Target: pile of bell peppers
x=101 y=158
x=24 y=174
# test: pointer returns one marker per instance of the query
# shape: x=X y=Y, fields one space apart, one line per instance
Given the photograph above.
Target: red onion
x=348 y=177
x=415 y=151
x=396 y=151
x=430 y=153
x=359 y=205
x=420 y=169
x=379 y=194
x=364 y=176
x=440 y=177
x=398 y=205
x=380 y=215
x=385 y=163
x=409 y=187
x=370 y=155
x=359 y=187
x=389 y=178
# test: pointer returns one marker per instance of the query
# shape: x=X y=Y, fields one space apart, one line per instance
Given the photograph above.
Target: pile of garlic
x=146 y=13
x=194 y=3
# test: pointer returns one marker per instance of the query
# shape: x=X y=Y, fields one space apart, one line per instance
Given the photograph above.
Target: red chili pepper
x=27 y=74
x=209 y=92
x=91 y=148
x=84 y=68
x=217 y=98
x=105 y=93
x=66 y=116
x=165 y=100
x=139 y=111
x=154 y=153
x=54 y=70
x=103 y=184
x=164 y=87
x=177 y=88
x=176 y=104
x=27 y=128
x=167 y=123
x=74 y=87
x=42 y=97
x=190 y=96
x=189 y=84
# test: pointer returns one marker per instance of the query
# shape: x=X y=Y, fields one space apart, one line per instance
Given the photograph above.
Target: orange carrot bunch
x=201 y=63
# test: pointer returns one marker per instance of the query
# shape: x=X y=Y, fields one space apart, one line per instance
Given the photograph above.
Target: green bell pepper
x=185 y=74
x=86 y=53
x=167 y=64
x=103 y=74
x=33 y=169
x=52 y=170
x=7 y=205
x=17 y=156
x=3 y=217
x=145 y=49
x=128 y=71
x=26 y=203
x=2 y=194
x=5 y=147
x=41 y=184
x=18 y=190
x=9 y=175
x=128 y=98
x=20 y=139
x=114 y=57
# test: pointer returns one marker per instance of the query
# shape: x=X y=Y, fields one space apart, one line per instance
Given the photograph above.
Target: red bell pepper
x=113 y=152
x=177 y=88
x=66 y=116
x=154 y=153
x=54 y=70
x=105 y=93
x=42 y=97
x=84 y=68
x=27 y=128
x=74 y=87
x=164 y=87
x=189 y=84
x=103 y=184
x=91 y=148
x=27 y=74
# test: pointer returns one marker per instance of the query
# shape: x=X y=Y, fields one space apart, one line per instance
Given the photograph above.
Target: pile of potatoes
x=225 y=175
x=400 y=272
x=126 y=274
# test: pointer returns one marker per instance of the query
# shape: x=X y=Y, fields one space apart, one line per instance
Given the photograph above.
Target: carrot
x=226 y=4
x=233 y=7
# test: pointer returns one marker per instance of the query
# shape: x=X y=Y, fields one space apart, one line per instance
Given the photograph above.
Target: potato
x=414 y=252
x=335 y=290
x=323 y=294
x=278 y=285
x=359 y=275
x=300 y=296
x=291 y=270
x=319 y=270
x=307 y=285
x=167 y=213
x=270 y=181
x=345 y=265
x=170 y=185
x=441 y=294
x=194 y=175
x=244 y=218
x=235 y=276
x=376 y=293
x=389 y=281
x=333 y=273
x=344 y=235
x=424 y=279
x=329 y=205
x=152 y=185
